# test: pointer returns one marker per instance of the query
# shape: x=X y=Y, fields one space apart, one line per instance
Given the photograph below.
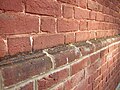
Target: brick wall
x=59 y=44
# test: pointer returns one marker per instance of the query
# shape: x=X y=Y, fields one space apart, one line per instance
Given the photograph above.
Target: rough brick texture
x=59 y=44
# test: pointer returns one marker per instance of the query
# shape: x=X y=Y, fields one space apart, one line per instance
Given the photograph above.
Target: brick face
x=45 y=7
x=46 y=41
x=54 y=78
x=19 y=44
x=68 y=12
x=81 y=13
x=16 y=5
x=18 y=24
x=67 y=25
x=3 y=48
x=48 y=24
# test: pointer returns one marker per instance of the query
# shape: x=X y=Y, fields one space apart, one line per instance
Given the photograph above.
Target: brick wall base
x=88 y=65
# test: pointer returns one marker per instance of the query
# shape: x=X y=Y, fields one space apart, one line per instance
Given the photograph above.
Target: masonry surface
x=59 y=44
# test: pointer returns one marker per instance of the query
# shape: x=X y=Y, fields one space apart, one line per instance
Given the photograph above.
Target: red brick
x=7 y=5
x=100 y=17
x=82 y=36
x=48 y=24
x=93 y=25
x=18 y=23
x=92 y=5
x=65 y=57
x=74 y=2
x=67 y=25
x=68 y=12
x=100 y=8
x=86 y=49
x=29 y=86
x=68 y=85
x=101 y=34
x=18 y=44
x=94 y=57
x=81 y=13
x=93 y=15
x=83 y=25
x=59 y=87
x=78 y=77
x=3 y=48
x=69 y=38
x=44 y=7
x=82 y=85
x=15 y=73
x=46 y=41
x=83 y=3
x=52 y=79
x=79 y=65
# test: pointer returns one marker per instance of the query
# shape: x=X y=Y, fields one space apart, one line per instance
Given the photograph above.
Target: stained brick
x=46 y=41
x=13 y=23
x=92 y=5
x=29 y=86
x=82 y=36
x=19 y=44
x=68 y=12
x=24 y=70
x=67 y=25
x=69 y=38
x=79 y=65
x=52 y=79
x=83 y=25
x=15 y=5
x=81 y=13
x=83 y=3
x=43 y=7
x=48 y=24
x=74 y=2
x=3 y=48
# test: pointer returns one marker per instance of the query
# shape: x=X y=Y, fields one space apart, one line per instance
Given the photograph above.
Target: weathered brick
x=68 y=12
x=93 y=25
x=82 y=36
x=83 y=3
x=100 y=17
x=67 y=25
x=66 y=57
x=13 y=74
x=18 y=44
x=15 y=5
x=81 y=13
x=79 y=65
x=86 y=49
x=28 y=86
x=74 y=2
x=69 y=38
x=59 y=87
x=81 y=85
x=52 y=79
x=92 y=5
x=83 y=25
x=78 y=77
x=44 y=7
x=68 y=85
x=13 y=23
x=3 y=48
x=46 y=41
x=93 y=15
x=48 y=24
